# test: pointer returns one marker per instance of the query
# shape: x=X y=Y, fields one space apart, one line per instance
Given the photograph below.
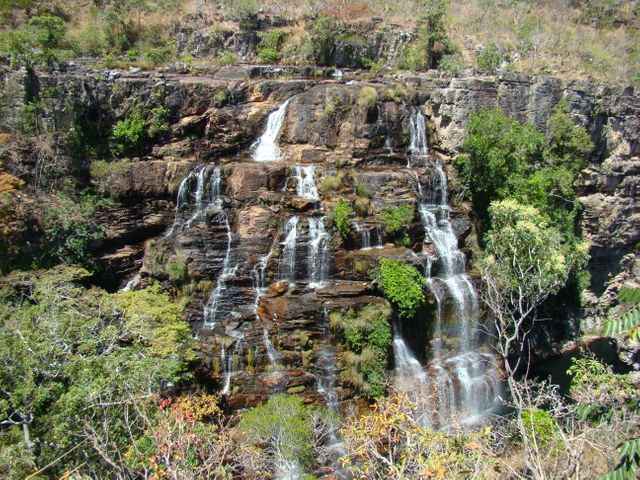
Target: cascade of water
x=231 y=363
x=215 y=299
x=272 y=353
x=201 y=197
x=418 y=134
x=379 y=237
x=318 y=252
x=266 y=149
x=464 y=382
x=181 y=201
x=306 y=187
x=258 y=278
x=365 y=236
x=287 y=267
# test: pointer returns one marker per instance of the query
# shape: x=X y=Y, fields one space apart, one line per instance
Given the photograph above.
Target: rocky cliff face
x=252 y=242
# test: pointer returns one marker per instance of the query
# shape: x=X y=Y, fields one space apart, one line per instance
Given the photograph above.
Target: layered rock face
x=253 y=242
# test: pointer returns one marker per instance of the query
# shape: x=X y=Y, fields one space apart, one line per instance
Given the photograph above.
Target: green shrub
x=363 y=191
x=367 y=97
x=452 y=64
x=368 y=335
x=155 y=56
x=40 y=41
x=362 y=206
x=226 y=58
x=321 y=39
x=542 y=427
x=396 y=221
x=413 y=56
x=70 y=228
x=177 y=270
x=489 y=58
x=130 y=133
x=270 y=45
x=284 y=427
x=158 y=121
x=402 y=284
x=342 y=218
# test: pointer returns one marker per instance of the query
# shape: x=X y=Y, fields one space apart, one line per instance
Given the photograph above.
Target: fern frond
x=628 y=322
x=629 y=295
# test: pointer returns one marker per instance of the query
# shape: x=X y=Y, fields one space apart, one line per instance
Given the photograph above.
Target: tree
x=290 y=432
x=524 y=262
x=500 y=153
x=81 y=369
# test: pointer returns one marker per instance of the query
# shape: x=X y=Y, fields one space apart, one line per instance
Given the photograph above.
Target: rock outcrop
x=259 y=257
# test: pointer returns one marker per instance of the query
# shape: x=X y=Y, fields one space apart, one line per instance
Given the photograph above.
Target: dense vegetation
x=596 y=37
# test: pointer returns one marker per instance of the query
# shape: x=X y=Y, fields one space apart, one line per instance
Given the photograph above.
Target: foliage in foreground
x=81 y=368
x=289 y=432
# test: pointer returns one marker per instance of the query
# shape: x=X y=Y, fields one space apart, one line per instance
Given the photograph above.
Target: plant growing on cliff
x=342 y=214
x=321 y=39
x=403 y=285
x=40 y=41
x=397 y=219
x=367 y=97
x=129 y=133
x=270 y=45
x=368 y=335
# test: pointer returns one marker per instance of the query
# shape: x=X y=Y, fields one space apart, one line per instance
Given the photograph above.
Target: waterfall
x=318 y=261
x=365 y=236
x=287 y=267
x=306 y=187
x=266 y=149
x=231 y=363
x=379 y=237
x=181 y=201
x=462 y=382
x=418 y=134
x=212 y=307
x=258 y=278
x=272 y=353
x=201 y=197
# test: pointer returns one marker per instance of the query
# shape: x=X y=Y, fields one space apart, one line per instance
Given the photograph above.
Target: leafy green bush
x=285 y=428
x=489 y=58
x=158 y=121
x=70 y=228
x=542 y=427
x=226 y=58
x=40 y=41
x=402 y=284
x=83 y=359
x=342 y=214
x=397 y=218
x=270 y=45
x=452 y=64
x=129 y=133
x=413 y=56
